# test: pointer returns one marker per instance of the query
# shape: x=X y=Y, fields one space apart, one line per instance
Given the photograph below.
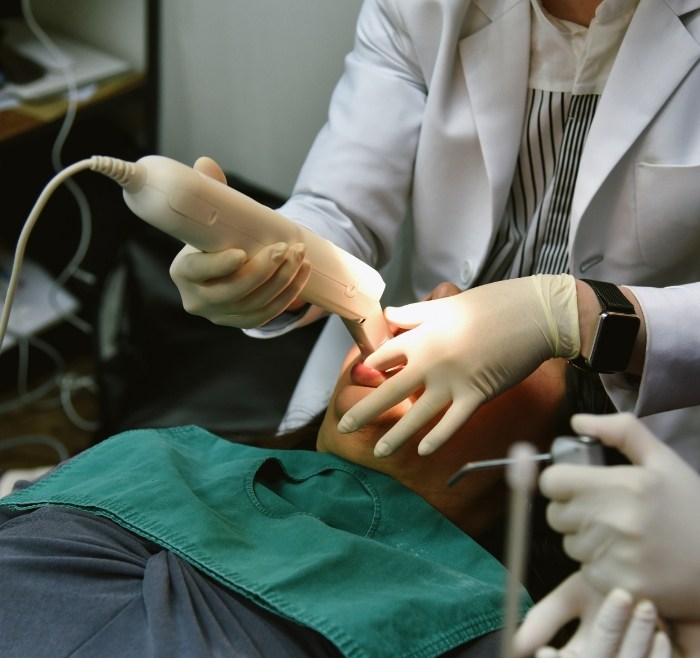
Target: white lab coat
x=427 y=120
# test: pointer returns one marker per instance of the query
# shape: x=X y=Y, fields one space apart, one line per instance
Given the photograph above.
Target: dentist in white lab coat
x=453 y=113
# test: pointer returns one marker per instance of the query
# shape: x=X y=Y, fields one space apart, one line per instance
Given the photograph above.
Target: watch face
x=613 y=342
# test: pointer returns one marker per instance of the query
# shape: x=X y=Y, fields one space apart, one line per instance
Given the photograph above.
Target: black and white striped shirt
x=569 y=68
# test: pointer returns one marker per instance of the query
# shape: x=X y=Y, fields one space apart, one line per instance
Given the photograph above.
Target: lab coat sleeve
x=286 y=322
x=354 y=186
x=671 y=377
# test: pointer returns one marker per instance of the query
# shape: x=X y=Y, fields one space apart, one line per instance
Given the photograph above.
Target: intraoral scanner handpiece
x=211 y=216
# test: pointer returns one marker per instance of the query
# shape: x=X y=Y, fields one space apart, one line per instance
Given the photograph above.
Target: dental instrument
x=521 y=476
x=584 y=450
x=211 y=216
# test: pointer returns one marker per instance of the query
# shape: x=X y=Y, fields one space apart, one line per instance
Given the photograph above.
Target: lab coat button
x=590 y=262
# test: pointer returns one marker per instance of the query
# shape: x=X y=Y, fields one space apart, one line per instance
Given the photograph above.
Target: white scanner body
x=212 y=216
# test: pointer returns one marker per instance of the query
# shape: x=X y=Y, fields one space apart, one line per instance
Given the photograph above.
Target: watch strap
x=610 y=297
x=611 y=300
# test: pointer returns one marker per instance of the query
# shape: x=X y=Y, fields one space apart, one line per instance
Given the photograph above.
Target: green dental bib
x=337 y=547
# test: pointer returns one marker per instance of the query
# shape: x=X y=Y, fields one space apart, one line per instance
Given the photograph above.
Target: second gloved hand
x=464 y=350
x=635 y=527
x=229 y=289
x=614 y=627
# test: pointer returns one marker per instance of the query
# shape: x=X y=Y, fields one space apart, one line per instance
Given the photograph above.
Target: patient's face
x=530 y=411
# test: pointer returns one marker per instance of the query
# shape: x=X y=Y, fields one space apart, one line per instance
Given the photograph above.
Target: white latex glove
x=228 y=289
x=613 y=627
x=635 y=527
x=465 y=350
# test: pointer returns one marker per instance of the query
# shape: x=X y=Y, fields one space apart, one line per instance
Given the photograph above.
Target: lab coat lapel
x=495 y=60
x=655 y=56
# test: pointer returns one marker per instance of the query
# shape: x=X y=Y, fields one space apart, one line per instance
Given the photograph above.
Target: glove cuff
x=561 y=309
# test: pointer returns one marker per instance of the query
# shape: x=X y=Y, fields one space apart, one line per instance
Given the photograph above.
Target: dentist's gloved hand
x=610 y=627
x=465 y=350
x=228 y=289
x=635 y=527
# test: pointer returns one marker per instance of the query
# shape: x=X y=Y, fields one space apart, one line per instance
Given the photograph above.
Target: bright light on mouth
x=361 y=375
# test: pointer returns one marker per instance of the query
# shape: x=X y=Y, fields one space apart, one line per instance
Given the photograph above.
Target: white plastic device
x=212 y=216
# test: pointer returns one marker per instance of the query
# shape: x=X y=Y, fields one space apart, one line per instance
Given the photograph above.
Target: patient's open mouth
x=361 y=375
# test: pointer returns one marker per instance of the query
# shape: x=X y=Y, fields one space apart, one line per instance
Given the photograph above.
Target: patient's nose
x=361 y=375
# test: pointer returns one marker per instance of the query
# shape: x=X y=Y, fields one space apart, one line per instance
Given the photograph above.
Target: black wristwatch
x=615 y=332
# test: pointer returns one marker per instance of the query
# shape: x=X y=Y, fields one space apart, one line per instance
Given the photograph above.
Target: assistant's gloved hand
x=465 y=350
x=613 y=627
x=635 y=527
x=228 y=289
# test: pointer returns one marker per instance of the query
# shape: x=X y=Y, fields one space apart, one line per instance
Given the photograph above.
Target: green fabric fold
x=331 y=545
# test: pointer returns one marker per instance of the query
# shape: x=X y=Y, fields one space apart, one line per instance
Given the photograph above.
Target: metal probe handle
x=583 y=450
